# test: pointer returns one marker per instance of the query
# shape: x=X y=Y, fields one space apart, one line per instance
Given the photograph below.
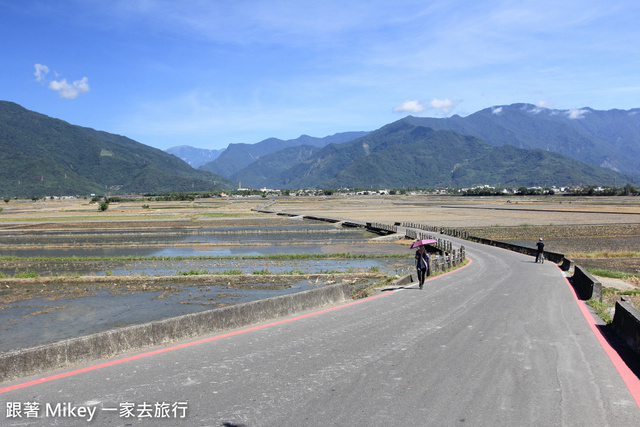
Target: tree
x=628 y=190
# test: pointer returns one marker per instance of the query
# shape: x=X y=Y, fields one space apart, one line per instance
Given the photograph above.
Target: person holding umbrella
x=540 y=251
x=422 y=264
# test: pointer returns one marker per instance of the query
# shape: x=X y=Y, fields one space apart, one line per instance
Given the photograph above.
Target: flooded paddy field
x=67 y=269
x=43 y=312
x=59 y=280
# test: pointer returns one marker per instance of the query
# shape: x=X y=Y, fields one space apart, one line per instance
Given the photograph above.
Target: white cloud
x=70 y=91
x=577 y=114
x=410 y=106
x=443 y=106
x=65 y=90
x=41 y=71
x=497 y=111
x=545 y=104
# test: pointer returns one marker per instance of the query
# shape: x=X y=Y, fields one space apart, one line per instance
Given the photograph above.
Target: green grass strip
x=602 y=272
x=602 y=310
x=344 y=255
x=193 y=273
x=607 y=254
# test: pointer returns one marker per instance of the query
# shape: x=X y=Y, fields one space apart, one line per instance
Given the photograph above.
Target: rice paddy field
x=67 y=269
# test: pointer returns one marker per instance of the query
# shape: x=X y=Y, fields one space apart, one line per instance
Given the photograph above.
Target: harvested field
x=92 y=285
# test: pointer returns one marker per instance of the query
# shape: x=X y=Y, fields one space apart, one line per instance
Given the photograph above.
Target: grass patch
x=193 y=272
x=231 y=272
x=26 y=275
x=603 y=272
x=97 y=218
x=227 y=214
x=605 y=254
x=365 y=292
x=276 y=257
x=602 y=310
x=68 y=275
x=295 y=272
x=262 y=272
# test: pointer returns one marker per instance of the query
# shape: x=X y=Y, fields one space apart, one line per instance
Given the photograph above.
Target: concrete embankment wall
x=626 y=323
x=626 y=319
x=61 y=354
x=587 y=287
x=74 y=351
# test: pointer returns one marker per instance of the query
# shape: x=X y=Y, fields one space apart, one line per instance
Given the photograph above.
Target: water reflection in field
x=264 y=249
x=36 y=320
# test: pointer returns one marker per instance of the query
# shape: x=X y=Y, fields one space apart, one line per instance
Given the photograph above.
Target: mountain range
x=511 y=146
x=195 y=157
x=609 y=139
x=238 y=156
x=40 y=155
x=514 y=145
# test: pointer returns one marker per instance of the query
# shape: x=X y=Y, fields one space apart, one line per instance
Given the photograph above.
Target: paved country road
x=501 y=342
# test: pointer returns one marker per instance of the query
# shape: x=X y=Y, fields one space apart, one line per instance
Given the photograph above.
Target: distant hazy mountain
x=403 y=154
x=195 y=157
x=237 y=156
x=40 y=156
x=609 y=139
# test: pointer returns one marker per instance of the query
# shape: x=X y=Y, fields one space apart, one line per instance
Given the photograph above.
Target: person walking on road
x=422 y=264
x=540 y=252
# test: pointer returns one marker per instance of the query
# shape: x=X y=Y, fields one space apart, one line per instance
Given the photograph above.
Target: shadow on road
x=400 y=287
x=628 y=356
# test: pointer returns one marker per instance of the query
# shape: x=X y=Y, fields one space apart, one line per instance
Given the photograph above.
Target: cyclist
x=540 y=252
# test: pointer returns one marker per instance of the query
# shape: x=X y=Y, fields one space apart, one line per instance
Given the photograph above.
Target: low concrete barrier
x=626 y=323
x=568 y=265
x=24 y=362
x=587 y=287
x=404 y=280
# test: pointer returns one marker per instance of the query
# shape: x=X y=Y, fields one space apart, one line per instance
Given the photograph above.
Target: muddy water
x=210 y=266
x=37 y=320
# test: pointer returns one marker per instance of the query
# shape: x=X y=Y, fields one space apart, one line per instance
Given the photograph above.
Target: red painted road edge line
x=189 y=344
x=176 y=347
x=630 y=379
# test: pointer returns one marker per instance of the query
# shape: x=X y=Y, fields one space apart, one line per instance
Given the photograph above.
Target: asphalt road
x=501 y=342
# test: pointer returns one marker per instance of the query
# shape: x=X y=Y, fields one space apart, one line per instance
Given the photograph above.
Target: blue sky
x=210 y=73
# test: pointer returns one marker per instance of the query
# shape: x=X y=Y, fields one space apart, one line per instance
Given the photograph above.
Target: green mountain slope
x=238 y=156
x=403 y=154
x=605 y=138
x=509 y=166
x=40 y=155
x=270 y=167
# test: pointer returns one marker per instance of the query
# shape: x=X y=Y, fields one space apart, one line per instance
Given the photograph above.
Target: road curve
x=500 y=342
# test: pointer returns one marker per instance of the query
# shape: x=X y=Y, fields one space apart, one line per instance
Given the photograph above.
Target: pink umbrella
x=423 y=242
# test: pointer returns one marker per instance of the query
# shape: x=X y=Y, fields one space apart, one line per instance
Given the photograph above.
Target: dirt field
x=578 y=227
x=569 y=225
x=595 y=232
